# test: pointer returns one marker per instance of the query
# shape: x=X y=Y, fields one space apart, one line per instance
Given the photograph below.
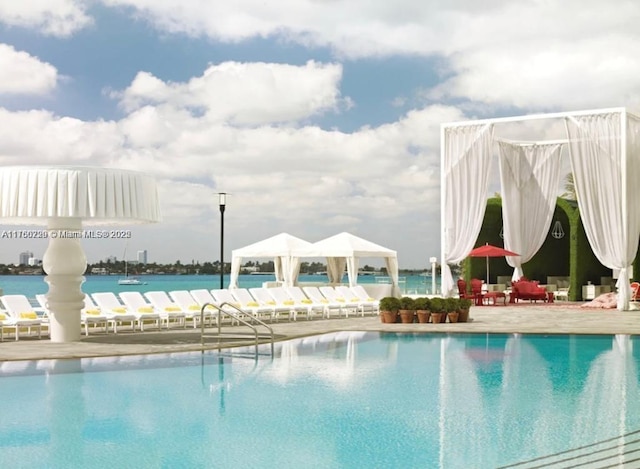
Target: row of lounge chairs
x=107 y=312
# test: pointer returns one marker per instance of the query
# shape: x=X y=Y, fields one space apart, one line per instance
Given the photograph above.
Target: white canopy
x=282 y=247
x=344 y=249
x=604 y=151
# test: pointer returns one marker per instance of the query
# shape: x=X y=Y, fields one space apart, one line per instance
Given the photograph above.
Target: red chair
x=462 y=290
x=476 y=291
x=476 y=286
x=488 y=297
x=635 y=291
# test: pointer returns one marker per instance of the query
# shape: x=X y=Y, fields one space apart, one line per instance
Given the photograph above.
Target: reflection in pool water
x=344 y=400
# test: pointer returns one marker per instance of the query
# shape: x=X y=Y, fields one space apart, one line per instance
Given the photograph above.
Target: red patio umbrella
x=488 y=250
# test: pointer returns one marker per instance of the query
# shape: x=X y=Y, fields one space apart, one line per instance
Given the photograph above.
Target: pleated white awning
x=32 y=195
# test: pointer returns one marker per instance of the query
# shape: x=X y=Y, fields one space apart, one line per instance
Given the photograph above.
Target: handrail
x=221 y=312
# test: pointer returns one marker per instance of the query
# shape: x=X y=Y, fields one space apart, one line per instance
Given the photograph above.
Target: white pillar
x=433 y=261
x=64 y=262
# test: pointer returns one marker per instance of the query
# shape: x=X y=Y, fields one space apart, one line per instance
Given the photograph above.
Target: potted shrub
x=389 y=306
x=407 y=310
x=423 y=309
x=464 y=305
x=438 y=314
x=451 y=307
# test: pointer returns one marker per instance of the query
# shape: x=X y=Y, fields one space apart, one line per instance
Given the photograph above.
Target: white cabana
x=604 y=152
x=345 y=250
x=283 y=248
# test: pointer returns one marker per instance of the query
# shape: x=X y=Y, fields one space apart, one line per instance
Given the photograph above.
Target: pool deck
x=557 y=318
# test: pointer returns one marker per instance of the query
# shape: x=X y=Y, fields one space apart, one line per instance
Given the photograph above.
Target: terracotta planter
x=453 y=316
x=463 y=315
x=437 y=318
x=406 y=316
x=423 y=316
x=388 y=317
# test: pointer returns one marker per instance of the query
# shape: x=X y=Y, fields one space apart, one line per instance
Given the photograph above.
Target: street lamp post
x=222 y=202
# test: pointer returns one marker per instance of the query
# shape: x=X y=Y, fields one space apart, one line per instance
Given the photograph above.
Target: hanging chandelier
x=557 y=232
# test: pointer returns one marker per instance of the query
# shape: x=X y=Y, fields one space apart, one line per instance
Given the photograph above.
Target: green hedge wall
x=570 y=255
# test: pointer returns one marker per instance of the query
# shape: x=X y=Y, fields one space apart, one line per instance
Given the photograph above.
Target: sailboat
x=129 y=280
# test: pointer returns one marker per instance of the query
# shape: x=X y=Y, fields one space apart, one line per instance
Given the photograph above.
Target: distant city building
x=24 y=258
x=33 y=262
x=111 y=259
x=99 y=271
x=142 y=257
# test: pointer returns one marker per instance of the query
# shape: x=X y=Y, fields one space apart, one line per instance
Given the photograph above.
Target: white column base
x=64 y=262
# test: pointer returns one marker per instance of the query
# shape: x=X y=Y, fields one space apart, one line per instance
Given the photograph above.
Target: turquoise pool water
x=344 y=400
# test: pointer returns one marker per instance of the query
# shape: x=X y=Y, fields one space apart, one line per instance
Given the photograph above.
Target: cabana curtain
x=466 y=164
x=529 y=175
x=607 y=195
x=604 y=149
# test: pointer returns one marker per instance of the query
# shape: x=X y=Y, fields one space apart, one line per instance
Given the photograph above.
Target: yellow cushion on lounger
x=94 y=312
x=29 y=315
x=252 y=303
x=3 y=317
x=119 y=310
x=271 y=303
x=145 y=309
x=341 y=300
x=371 y=299
x=172 y=308
x=306 y=301
x=355 y=299
x=324 y=301
x=288 y=302
x=194 y=308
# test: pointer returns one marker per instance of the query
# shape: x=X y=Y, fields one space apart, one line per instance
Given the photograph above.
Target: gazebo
x=604 y=154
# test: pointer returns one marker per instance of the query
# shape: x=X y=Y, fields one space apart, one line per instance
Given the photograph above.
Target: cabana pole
x=443 y=192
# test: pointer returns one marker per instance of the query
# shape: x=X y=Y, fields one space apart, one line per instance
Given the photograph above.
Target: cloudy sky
x=318 y=116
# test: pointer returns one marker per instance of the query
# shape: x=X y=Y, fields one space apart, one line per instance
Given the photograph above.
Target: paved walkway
x=557 y=318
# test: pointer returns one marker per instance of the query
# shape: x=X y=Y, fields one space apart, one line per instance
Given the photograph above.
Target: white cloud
x=532 y=55
x=39 y=137
x=52 y=17
x=21 y=73
x=245 y=93
x=291 y=177
x=594 y=73
x=245 y=128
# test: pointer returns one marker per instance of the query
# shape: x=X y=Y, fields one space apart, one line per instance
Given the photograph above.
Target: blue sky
x=318 y=117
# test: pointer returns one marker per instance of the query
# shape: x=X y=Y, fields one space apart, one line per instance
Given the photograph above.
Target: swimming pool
x=343 y=400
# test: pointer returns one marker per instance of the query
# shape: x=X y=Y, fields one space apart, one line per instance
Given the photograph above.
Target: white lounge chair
x=21 y=314
x=116 y=311
x=313 y=307
x=282 y=296
x=134 y=301
x=185 y=300
x=332 y=294
x=204 y=297
x=89 y=314
x=370 y=303
x=317 y=297
x=4 y=317
x=365 y=304
x=262 y=296
x=7 y=322
x=161 y=302
x=247 y=302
